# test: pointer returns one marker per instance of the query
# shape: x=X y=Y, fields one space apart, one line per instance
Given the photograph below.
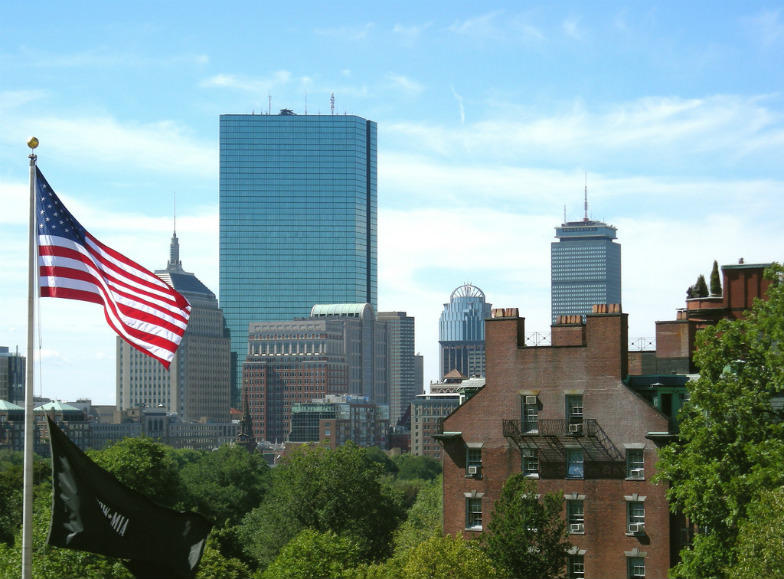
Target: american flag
x=146 y=312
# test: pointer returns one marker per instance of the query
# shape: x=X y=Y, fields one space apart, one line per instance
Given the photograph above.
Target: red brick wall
x=596 y=370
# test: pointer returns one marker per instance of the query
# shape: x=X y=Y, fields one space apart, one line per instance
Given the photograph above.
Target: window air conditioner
x=636 y=528
x=575 y=428
x=473 y=470
x=530 y=401
x=637 y=473
x=576 y=528
x=577 y=410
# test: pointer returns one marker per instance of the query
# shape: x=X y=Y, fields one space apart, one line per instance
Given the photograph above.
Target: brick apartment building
x=573 y=417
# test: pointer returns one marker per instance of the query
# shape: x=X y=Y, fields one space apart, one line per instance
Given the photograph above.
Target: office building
x=404 y=376
x=585 y=267
x=291 y=363
x=366 y=375
x=12 y=376
x=341 y=349
x=197 y=385
x=336 y=420
x=461 y=332
x=297 y=218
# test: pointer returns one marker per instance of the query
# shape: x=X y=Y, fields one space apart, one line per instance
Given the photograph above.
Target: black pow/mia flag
x=93 y=511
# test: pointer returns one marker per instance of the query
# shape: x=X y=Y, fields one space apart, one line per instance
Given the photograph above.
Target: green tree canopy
x=761 y=538
x=324 y=490
x=214 y=565
x=145 y=466
x=731 y=446
x=527 y=536
x=410 y=466
x=11 y=486
x=225 y=484
x=313 y=554
x=448 y=557
x=423 y=520
x=52 y=562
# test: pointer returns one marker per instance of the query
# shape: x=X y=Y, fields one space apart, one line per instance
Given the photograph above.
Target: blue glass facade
x=461 y=332
x=585 y=268
x=297 y=218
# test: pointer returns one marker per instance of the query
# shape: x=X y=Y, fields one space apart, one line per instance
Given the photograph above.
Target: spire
x=245 y=433
x=174 y=248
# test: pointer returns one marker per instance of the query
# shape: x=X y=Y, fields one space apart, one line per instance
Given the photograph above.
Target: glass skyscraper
x=585 y=268
x=461 y=332
x=297 y=218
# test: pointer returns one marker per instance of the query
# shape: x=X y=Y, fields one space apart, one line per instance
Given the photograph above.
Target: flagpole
x=29 y=431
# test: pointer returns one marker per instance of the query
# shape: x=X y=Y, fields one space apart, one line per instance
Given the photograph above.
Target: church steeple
x=245 y=433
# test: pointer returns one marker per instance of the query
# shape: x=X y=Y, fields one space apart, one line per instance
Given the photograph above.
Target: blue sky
x=490 y=116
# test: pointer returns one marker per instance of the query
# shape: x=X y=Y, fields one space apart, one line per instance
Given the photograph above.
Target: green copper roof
x=56 y=406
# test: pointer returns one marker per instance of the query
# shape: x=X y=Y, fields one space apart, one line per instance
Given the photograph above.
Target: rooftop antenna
x=269 y=104
x=306 y=101
x=564 y=213
x=332 y=103
x=586 y=197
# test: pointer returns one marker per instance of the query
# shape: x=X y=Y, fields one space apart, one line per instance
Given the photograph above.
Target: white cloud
x=766 y=28
x=459 y=100
x=672 y=133
x=409 y=35
x=571 y=27
x=484 y=25
x=348 y=33
x=405 y=85
x=257 y=85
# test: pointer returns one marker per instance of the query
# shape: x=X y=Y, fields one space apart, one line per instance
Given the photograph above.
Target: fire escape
x=549 y=440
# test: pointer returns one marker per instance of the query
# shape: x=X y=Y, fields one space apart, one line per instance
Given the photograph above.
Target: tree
x=700 y=289
x=417 y=467
x=225 y=484
x=448 y=558
x=423 y=520
x=324 y=490
x=761 y=538
x=214 y=565
x=731 y=445
x=145 y=466
x=715 y=281
x=314 y=554
x=527 y=536
x=51 y=562
x=11 y=485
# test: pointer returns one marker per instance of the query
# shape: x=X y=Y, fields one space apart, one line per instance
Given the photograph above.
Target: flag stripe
x=58 y=270
x=53 y=258
x=139 y=306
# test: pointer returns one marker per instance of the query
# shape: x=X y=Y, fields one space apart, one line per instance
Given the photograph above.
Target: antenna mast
x=332 y=103
x=586 y=197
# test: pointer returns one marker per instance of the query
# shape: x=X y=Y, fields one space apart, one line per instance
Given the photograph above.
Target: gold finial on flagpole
x=32 y=142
